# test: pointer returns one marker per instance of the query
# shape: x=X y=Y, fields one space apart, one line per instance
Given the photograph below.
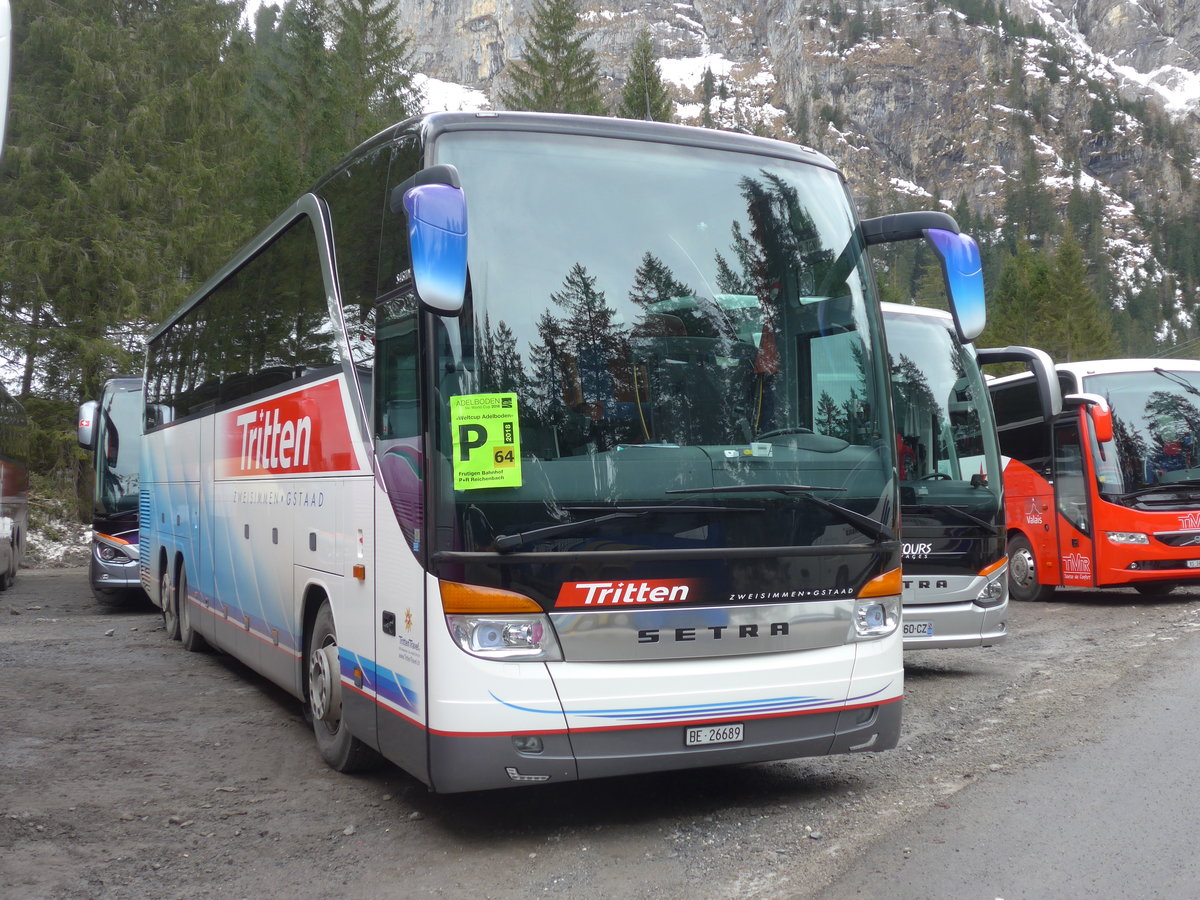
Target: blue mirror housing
x=437 y=238
x=961 y=266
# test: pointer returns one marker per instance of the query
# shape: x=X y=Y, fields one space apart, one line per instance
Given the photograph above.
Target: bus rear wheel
x=170 y=606
x=191 y=638
x=339 y=748
x=1022 y=572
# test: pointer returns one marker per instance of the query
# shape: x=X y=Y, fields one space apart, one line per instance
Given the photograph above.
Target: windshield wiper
x=511 y=541
x=1179 y=380
x=1160 y=488
x=957 y=510
x=868 y=526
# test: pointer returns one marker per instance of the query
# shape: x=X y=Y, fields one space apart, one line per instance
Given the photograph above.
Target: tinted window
x=265 y=325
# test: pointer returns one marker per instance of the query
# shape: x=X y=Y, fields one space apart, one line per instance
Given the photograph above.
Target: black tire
x=192 y=639
x=1022 y=572
x=339 y=748
x=1155 y=588
x=169 y=601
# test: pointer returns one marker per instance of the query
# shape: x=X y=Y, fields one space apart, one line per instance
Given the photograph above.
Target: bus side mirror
x=1102 y=422
x=963 y=271
x=957 y=253
x=85 y=430
x=1042 y=367
x=436 y=208
x=1098 y=411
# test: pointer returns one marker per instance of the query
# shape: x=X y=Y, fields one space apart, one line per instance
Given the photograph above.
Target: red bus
x=1107 y=494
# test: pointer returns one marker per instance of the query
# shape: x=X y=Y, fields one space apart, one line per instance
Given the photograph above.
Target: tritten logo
x=625 y=593
x=304 y=431
x=1076 y=565
x=1191 y=520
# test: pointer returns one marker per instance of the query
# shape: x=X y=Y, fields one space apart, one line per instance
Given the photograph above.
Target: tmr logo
x=624 y=593
x=1191 y=520
x=916 y=551
x=1076 y=565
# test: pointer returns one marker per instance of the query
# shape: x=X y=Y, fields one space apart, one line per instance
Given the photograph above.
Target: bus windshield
x=688 y=339
x=1156 y=429
x=945 y=443
x=118 y=450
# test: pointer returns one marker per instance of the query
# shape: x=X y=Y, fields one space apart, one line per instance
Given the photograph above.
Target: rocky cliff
x=920 y=101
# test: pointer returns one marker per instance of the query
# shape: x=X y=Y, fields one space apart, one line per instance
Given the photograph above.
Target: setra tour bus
x=110 y=429
x=951 y=488
x=553 y=503
x=1108 y=493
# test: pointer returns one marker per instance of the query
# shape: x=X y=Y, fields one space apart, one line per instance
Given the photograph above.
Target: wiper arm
x=1161 y=487
x=511 y=541
x=752 y=488
x=1178 y=379
x=868 y=526
x=957 y=510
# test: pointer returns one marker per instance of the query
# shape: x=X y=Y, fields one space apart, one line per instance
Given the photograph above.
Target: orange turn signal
x=469 y=599
x=988 y=570
x=886 y=585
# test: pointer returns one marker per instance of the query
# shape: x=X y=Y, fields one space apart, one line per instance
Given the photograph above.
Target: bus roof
x=1084 y=368
x=433 y=124
x=908 y=309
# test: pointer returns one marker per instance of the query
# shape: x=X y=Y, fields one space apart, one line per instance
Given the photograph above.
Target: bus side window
x=397 y=375
x=1070 y=487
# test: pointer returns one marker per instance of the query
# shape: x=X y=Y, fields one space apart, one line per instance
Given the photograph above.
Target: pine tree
x=644 y=95
x=121 y=167
x=654 y=282
x=1019 y=303
x=372 y=69
x=1079 y=326
x=293 y=103
x=558 y=73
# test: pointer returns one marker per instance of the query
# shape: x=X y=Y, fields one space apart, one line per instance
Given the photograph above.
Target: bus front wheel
x=339 y=748
x=1023 y=573
x=1155 y=588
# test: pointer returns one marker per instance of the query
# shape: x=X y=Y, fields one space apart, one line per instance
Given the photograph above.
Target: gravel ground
x=132 y=769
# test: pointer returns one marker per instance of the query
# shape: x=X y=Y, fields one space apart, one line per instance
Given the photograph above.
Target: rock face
x=913 y=98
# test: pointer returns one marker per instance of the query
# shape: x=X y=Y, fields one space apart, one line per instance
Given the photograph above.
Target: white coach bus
x=558 y=506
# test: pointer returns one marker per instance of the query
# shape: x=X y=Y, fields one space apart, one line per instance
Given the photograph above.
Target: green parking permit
x=487 y=441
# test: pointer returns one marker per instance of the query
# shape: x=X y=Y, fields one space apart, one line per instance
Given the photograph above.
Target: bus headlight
x=992 y=591
x=505 y=637
x=1127 y=537
x=877 y=617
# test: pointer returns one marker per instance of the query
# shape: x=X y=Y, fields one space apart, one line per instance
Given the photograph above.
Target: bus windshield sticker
x=487 y=441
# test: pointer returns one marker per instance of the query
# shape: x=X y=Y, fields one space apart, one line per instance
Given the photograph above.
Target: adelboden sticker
x=487 y=441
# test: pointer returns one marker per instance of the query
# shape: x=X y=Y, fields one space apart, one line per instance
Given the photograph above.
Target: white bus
x=558 y=506
x=951 y=480
x=110 y=429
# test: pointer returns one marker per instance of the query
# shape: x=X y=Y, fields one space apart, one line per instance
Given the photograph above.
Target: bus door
x=1071 y=499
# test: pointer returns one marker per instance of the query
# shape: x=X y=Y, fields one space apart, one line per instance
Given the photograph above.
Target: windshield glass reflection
x=1156 y=429
x=665 y=319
